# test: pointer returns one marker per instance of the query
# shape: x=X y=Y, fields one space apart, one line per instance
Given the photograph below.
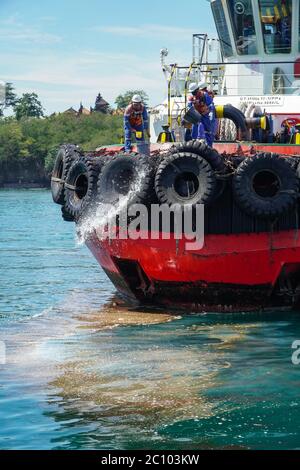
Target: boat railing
x=275 y=81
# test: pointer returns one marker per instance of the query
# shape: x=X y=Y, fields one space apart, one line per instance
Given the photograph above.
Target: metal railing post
x=174 y=66
x=187 y=79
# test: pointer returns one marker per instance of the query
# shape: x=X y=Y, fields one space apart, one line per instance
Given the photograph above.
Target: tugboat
x=248 y=182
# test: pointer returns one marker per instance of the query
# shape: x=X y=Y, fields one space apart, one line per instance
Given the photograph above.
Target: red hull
x=232 y=271
x=245 y=147
x=232 y=148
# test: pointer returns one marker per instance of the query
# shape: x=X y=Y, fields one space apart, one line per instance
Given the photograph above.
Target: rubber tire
x=201 y=148
x=66 y=155
x=66 y=216
x=177 y=163
x=265 y=207
x=136 y=164
x=89 y=168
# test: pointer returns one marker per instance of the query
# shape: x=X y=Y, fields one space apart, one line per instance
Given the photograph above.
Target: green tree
x=10 y=95
x=28 y=105
x=28 y=147
x=12 y=142
x=123 y=100
x=10 y=98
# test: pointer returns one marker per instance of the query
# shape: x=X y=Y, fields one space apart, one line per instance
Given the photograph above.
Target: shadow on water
x=121 y=378
x=135 y=381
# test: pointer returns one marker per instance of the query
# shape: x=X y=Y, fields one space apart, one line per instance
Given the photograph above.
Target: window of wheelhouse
x=276 y=20
x=222 y=28
x=242 y=20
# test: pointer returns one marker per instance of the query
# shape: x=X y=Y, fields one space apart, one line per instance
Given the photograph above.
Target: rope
x=70 y=186
x=57 y=180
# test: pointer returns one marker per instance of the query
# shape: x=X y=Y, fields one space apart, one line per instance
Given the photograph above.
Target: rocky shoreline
x=25 y=185
x=24 y=174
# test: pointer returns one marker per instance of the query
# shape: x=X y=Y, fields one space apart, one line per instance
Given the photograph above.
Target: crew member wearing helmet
x=136 y=120
x=203 y=86
x=202 y=101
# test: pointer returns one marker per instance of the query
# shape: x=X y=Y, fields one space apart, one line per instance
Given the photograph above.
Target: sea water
x=80 y=370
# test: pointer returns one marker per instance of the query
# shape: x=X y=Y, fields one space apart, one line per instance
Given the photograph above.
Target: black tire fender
x=66 y=216
x=66 y=155
x=201 y=148
x=129 y=175
x=265 y=185
x=81 y=186
x=185 y=178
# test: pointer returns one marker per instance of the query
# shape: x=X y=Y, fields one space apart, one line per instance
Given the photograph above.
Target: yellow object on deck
x=263 y=123
x=297 y=139
x=219 y=111
x=163 y=137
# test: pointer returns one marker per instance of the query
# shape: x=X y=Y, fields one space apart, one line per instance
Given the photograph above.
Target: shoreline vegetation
x=28 y=146
x=29 y=141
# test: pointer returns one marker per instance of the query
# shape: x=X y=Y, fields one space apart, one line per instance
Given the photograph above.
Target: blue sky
x=69 y=50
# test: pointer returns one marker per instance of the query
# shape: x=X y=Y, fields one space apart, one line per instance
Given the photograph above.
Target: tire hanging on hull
x=124 y=175
x=186 y=179
x=265 y=186
x=201 y=148
x=210 y=155
x=66 y=155
x=81 y=186
x=66 y=216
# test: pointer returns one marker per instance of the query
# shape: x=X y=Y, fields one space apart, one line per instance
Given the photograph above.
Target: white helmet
x=136 y=99
x=202 y=85
x=193 y=87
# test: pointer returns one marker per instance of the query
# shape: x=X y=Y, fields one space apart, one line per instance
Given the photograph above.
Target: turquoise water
x=83 y=371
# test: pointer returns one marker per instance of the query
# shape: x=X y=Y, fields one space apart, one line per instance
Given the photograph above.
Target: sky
x=67 y=51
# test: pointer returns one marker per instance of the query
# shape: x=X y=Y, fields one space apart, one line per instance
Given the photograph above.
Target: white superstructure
x=254 y=61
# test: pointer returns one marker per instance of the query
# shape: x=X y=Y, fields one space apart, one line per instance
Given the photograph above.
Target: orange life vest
x=135 y=115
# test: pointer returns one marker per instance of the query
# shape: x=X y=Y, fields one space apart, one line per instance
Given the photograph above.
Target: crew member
x=203 y=86
x=136 y=121
x=202 y=101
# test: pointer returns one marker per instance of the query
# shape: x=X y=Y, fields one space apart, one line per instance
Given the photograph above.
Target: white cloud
x=153 y=31
x=62 y=82
x=62 y=79
x=28 y=35
x=12 y=29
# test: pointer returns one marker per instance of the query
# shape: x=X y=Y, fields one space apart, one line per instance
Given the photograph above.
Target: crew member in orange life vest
x=136 y=120
x=202 y=101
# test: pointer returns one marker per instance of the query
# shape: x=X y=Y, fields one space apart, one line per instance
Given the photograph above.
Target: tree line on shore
x=29 y=140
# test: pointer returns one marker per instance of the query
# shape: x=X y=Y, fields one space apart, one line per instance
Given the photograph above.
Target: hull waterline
x=231 y=272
